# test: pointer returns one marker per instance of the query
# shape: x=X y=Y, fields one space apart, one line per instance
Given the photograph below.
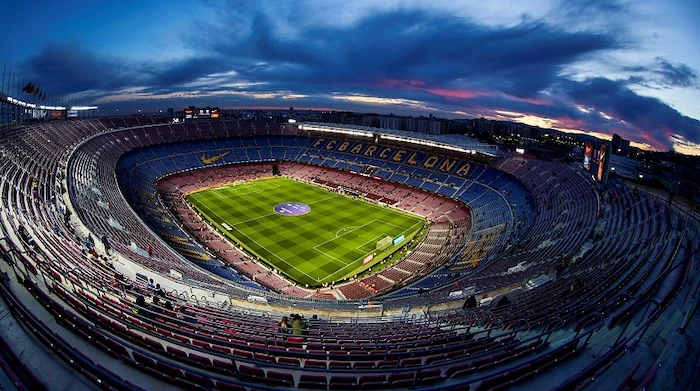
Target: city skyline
x=596 y=67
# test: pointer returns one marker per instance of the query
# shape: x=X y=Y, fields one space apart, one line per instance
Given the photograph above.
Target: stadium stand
x=597 y=279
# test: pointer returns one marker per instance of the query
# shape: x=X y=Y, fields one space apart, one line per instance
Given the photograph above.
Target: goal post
x=385 y=243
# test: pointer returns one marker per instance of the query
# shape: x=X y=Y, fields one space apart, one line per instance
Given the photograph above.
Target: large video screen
x=587 y=152
x=189 y=113
x=602 y=162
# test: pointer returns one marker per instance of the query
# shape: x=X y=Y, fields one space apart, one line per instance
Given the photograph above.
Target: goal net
x=385 y=243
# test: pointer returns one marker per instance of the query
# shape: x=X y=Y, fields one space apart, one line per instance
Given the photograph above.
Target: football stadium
x=406 y=264
x=317 y=195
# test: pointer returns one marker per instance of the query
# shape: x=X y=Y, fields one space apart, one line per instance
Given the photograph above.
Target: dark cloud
x=645 y=119
x=676 y=75
x=75 y=69
x=438 y=49
x=445 y=63
x=663 y=74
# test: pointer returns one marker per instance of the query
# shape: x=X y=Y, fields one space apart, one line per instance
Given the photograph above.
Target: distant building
x=429 y=125
x=619 y=145
x=625 y=167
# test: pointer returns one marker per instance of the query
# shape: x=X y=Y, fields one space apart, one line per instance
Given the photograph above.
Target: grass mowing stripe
x=327 y=244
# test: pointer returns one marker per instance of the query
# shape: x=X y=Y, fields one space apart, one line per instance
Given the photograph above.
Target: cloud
x=676 y=75
x=73 y=69
x=398 y=57
x=639 y=118
x=435 y=48
x=663 y=74
x=76 y=69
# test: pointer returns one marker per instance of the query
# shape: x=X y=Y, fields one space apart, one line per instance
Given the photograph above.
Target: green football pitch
x=327 y=243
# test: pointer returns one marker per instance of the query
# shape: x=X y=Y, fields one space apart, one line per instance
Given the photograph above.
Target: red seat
x=315 y=364
x=224 y=386
x=342 y=382
x=429 y=376
x=279 y=379
x=339 y=365
x=204 y=361
x=224 y=366
x=291 y=361
x=373 y=382
x=410 y=362
x=141 y=359
x=315 y=382
x=251 y=373
x=169 y=369
x=403 y=379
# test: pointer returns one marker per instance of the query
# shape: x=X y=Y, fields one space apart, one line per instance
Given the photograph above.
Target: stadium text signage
x=398 y=155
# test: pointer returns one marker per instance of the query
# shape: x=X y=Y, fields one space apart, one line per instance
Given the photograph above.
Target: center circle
x=292 y=209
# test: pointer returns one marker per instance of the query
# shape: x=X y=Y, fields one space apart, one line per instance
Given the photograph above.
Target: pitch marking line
x=217 y=190
x=314 y=248
x=362 y=257
x=263 y=247
x=343 y=229
x=275 y=213
x=345 y=233
x=380 y=236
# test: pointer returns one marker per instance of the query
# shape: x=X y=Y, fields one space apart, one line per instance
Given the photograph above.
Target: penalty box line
x=344 y=267
x=380 y=235
x=355 y=228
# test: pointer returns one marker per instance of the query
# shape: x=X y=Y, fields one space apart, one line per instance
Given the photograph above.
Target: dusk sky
x=601 y=67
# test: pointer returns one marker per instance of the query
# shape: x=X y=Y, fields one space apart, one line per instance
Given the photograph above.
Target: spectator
x=160 y=291
x=299 y=326
x=24 y=235
x=141 y=306
x=284 y=325
x=471 y=302
x=105 y=243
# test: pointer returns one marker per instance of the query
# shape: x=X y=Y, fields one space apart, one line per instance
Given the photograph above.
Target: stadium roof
x=456 y=142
